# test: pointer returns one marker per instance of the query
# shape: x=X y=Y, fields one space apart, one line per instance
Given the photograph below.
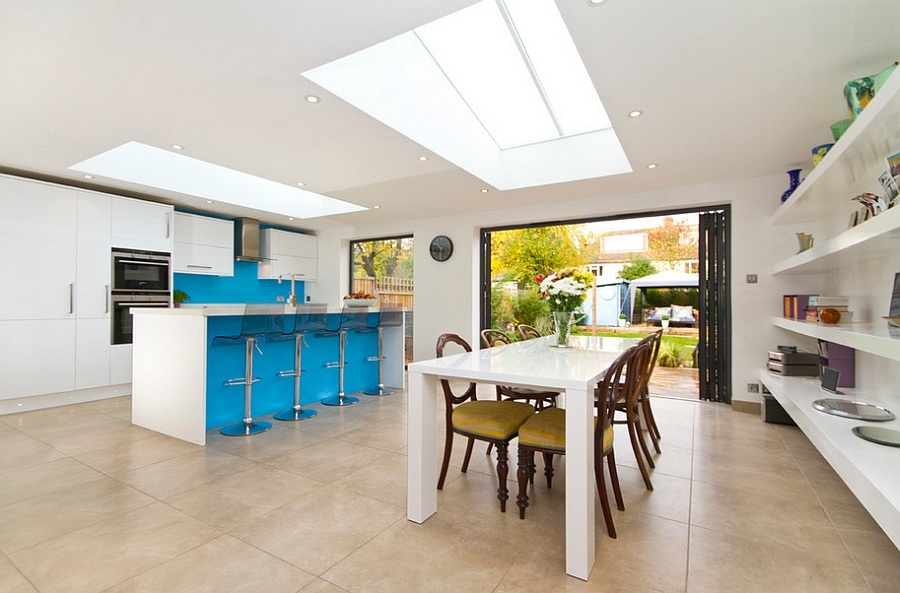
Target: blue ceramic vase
x=795 y=181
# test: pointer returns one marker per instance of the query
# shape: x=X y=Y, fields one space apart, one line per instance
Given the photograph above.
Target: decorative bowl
x=360 y=302
x=819 y=152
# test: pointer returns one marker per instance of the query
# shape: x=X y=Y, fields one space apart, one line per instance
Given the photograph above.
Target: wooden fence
x=390 y=290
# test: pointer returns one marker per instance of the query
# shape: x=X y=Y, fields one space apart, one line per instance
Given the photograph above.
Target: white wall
x=447 y=293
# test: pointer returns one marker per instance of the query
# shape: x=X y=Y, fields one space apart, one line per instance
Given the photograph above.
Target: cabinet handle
x=199 y=266
x=106 y=296
x=168 y=219
x=71 y=298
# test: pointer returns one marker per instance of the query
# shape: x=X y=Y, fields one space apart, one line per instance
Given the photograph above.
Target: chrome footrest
x=373 y=359
x=240 y=381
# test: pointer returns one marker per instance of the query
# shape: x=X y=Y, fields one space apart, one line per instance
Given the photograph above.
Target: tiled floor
x=89 y=503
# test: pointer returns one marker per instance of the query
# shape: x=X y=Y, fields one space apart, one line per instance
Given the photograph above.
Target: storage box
x=773 y=412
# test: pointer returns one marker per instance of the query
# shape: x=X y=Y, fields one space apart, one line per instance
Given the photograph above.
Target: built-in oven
x=122 y=320
x=140 y=271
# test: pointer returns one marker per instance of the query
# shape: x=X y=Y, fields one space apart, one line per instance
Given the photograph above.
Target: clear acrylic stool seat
x=308 y=319
x=352 y=318
x=387 y=317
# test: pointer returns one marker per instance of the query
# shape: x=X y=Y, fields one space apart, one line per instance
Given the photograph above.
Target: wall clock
x=441 y=248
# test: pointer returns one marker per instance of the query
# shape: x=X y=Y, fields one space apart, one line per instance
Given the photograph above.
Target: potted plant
x=179 y=296
x=664 y=321
x=621 y=320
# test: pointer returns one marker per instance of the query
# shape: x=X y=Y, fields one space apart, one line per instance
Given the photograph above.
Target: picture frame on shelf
x=854 y=216
x=893 y=316
x=891 y=190
x=893 y=163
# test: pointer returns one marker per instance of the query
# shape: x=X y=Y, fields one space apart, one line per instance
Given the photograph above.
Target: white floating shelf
x=874 y=338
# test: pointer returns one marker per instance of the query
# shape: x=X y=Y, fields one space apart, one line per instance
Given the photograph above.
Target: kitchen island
x=178 y=385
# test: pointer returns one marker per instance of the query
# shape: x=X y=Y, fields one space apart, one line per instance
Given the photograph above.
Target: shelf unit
x=874 y=338
x=847 y=169
x=870 y=471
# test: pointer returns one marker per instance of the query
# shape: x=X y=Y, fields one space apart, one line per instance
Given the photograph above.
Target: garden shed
x=612 y=298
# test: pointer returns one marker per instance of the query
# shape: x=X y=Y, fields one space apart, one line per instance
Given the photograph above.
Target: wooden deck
x=681 y=382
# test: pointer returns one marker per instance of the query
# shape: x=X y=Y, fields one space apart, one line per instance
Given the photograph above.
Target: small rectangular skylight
x=153 y=167
x=498 y=88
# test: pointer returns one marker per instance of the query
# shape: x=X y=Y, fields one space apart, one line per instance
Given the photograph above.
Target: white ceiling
x=729 y=90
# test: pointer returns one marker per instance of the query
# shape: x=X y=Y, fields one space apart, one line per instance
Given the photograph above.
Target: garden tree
x=385 y=257
x=522 y=254
x=592 y=246
x=637 y=267
x=672 y=242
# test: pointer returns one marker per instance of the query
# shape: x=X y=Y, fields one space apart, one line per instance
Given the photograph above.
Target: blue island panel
x=225 y=404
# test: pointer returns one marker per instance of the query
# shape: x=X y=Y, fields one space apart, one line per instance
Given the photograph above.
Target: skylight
x=497 y=88
x=162 y=169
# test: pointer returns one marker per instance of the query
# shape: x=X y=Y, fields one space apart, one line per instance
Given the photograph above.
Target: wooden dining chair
x=655 y=340
x=496 y=422
x=541 y=398
x=630 y=404
x=528 y=332
x=546 y=432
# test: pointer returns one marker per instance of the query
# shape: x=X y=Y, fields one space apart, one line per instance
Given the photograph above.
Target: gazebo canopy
x=667 y=279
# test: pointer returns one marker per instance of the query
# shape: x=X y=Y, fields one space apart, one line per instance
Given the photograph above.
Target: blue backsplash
x=243 y=287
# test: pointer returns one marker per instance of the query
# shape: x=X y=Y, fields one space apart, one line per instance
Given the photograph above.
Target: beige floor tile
x=725 y=563
x=223 y=564
x=383 y=435
x=437 y=557
x=29 y=451
x=328 y=460
x=124 y=457
x=23 y=524
x=11 y=580
x=228 y=501
x=117 y=407
x=282 y=439
x=319 y=529
x=94 y=432
x=322 y=586
x=180 y=474
x=97 y=557
x=384 y=479
x=46 y=478
x=876 y=556
x=669 y=499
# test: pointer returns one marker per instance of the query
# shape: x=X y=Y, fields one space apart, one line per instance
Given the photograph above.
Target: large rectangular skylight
x=153 y=167
x=497 y=88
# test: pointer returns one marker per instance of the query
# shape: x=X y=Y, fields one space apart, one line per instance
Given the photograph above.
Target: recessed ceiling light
x=290 y=218
x=484 y=191
x=651 y=166
x=209 y=201
x=376 y=207
x=88 y=176
x=312 y=99
x=423 y=158
x=635 y=113
x=596 y=2
x=178 y=147
x=300 y=184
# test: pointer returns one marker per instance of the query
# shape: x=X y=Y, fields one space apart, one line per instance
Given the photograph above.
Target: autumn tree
x=672 y=242
x=637 y=268
x=521 y=254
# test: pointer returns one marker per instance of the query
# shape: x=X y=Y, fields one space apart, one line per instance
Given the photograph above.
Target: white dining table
x=533 y=363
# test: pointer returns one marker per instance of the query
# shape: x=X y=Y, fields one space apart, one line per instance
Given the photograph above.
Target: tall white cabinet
x=54 y=297
x=859 y=261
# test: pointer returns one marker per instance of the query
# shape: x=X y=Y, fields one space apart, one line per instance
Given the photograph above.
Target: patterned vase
x=795 y=181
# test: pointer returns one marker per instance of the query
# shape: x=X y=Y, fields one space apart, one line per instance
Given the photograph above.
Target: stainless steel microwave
x=140 y=271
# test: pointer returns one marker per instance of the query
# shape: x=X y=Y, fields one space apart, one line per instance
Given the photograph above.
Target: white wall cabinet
x=203 y=245
x=285 y=254
x=142 y=225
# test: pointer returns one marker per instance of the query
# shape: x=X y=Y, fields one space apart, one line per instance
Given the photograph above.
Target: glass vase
x=562 y=328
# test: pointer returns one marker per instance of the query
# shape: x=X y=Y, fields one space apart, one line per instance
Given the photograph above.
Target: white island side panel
x=169 y=377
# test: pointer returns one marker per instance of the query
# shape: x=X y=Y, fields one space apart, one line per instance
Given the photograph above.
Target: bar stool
x=308 y=319
x=387 y=317
x=352 y=318
x=258 y=321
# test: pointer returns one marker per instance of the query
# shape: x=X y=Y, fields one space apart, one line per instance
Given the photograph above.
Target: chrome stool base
x=380 y=390
x=340 y=400
x=244 y=429
x=295 y=414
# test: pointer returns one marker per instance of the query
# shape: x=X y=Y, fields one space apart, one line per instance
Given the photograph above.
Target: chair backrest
x=310 y=317
x=528 y=332
x=622 y=382
x=654 y=340
x=262 y=319
x=450 y=398
x=494 y=337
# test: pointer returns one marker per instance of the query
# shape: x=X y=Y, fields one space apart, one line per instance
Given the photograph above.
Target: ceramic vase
x=562 y=328
x=794 y=175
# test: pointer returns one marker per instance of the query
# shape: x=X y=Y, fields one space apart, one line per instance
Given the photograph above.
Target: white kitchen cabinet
x=120 y=363
x=285 y=254
x=203 y=245
x=92 y=352
x=38 y=357
x=37 y=250
x=137 y=224
x=93 y=260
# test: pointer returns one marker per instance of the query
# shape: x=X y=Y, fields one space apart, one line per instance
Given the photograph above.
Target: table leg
x=580 y=487
x=421 y=475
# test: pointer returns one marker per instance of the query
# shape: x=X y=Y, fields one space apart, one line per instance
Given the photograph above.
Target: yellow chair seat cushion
x=494 y=420
x=547 y=430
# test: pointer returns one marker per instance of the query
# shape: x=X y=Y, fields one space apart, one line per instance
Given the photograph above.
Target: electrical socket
x=752 y=278
x=752 y=387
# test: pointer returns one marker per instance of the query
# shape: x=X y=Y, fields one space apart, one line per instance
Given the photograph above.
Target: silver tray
x=853 y=409
x=878 y=434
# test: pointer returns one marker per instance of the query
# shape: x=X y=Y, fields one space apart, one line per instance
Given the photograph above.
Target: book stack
x=795 y=305
x=838 y=303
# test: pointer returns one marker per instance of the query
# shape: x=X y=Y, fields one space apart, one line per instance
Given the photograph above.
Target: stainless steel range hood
x=246 y=240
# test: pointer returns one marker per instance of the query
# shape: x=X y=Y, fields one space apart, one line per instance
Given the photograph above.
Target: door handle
x=106 y=296
x=71 y=298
